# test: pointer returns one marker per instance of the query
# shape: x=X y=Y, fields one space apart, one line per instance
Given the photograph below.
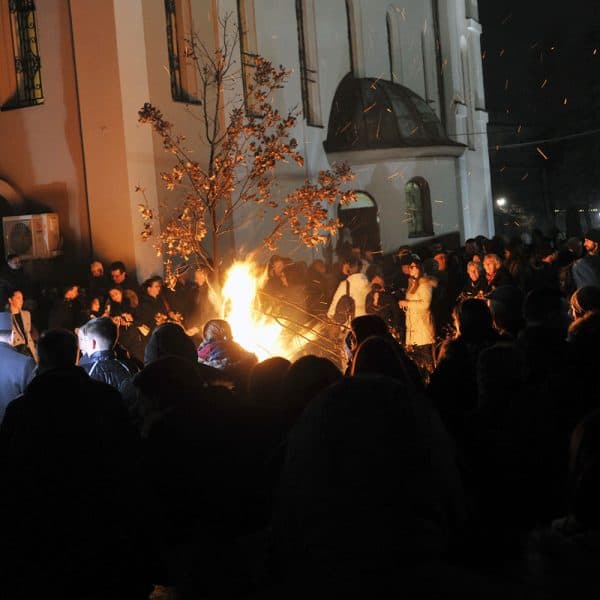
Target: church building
x=395 y=89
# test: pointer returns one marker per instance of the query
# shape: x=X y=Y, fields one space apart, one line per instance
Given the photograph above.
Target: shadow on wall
x=51 y=197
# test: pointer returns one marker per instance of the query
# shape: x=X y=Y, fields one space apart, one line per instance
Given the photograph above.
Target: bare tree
x=244 y=149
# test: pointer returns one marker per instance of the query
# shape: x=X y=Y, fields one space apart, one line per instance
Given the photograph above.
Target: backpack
x=345 y=307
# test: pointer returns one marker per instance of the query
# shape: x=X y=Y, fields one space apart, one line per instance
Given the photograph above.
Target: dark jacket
x=69 y=459
x=474 y=289
x=16 y=371
x=66 y=314
x=502 y=277
x=105 y=366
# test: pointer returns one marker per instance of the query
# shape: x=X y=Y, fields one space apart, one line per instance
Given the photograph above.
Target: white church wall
x=465 y=115
x=385 y=181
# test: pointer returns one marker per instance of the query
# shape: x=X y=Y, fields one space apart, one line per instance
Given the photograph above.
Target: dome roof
x=369 y=114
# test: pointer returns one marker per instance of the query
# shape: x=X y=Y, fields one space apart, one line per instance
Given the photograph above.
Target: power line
x=531 y=143
x=546 y=140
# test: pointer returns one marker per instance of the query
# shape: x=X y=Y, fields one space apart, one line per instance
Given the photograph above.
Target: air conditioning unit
x=32 y=236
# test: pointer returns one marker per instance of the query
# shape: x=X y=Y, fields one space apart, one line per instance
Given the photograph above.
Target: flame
x=255 y=331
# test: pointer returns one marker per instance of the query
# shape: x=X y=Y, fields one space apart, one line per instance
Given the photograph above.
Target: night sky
x=541 y=66
x=537 y=54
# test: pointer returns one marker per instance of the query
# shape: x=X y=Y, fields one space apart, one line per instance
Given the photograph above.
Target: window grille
x=24 y=79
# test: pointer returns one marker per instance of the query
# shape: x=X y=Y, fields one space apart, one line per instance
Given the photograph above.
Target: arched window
x=393 y=16
x=418 y=208
x=355 y=42
x=469 y=100
x=309 y=62
x=182 y=70
x=361 y=219
x=248 y=51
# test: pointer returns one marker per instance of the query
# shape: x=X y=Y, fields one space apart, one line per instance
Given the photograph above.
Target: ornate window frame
x=20 y=64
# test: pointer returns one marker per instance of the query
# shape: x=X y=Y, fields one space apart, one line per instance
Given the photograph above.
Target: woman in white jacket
x=420 y=330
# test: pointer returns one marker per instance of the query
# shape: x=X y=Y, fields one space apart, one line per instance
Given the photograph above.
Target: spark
x=544 y=83
x=502 y=169
x=396 y=174
x=525 y=176
x=519 y=129
x=506 y=85
x=345 y=127
x=595 y=52
x=540 y=152
x=483 y=55
x=371 y=107
x=501 y=52
x=565 y=101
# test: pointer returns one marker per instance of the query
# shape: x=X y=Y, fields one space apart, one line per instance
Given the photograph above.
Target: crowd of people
x=445 y=441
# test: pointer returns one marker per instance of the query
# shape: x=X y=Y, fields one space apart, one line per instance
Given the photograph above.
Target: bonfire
x=259 y=331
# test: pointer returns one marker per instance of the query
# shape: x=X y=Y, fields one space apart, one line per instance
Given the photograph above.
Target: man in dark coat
x=16 y=369
x=70 y=500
